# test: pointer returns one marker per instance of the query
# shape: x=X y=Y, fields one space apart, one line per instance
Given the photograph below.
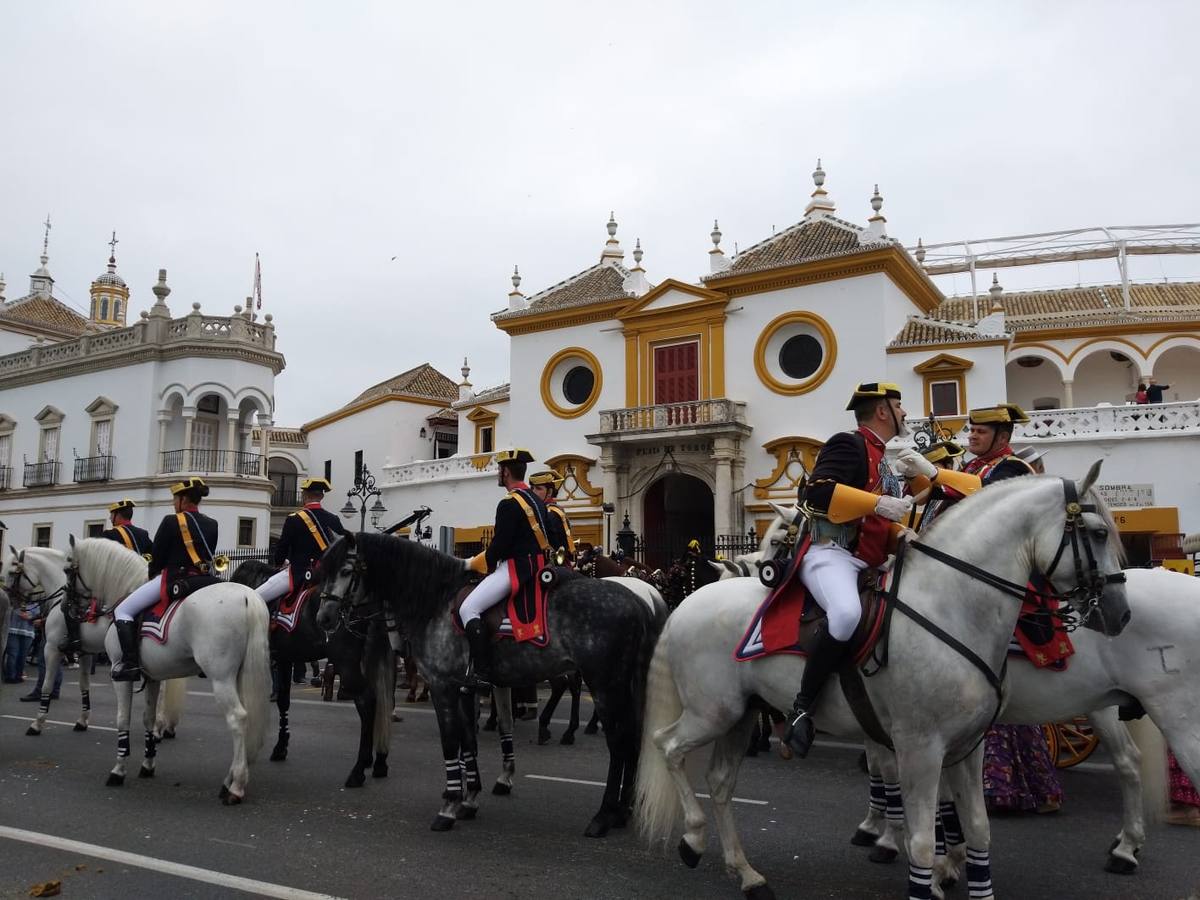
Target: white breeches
x=141 y=599
x=830 y=573
x=275 y=586
x=487 y=594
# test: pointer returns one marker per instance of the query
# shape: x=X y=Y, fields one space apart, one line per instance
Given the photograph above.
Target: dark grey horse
x=599 y=628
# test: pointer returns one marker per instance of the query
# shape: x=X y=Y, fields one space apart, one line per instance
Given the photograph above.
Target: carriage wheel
x=1070 y=742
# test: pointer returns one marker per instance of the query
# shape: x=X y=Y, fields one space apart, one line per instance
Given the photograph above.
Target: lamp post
x=609 y=509
x=364 y=489
x=627 y=538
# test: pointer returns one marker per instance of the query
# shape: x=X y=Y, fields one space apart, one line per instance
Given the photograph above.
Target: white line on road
x=179 y=870
x=601 y=784
x=55 y=722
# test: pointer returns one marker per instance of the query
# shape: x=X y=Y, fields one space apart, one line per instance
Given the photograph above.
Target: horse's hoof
x=379 y=771
x=466 y=813
x=883 y=855
x=690 y=857
x=31 y=731
x=168 y=734
x=567 y=739
x=597 y=828
x=501 y=789
x=544 y=736
x=231 y=799
x=948 y=882
x=279 y=754
x=441 y=823
x=114 y=780
x=356 y=780
x=864 y=838
x=79 y=726
x=759 y=892
x=1119 y=865
x=143 y=772
x=223 y=792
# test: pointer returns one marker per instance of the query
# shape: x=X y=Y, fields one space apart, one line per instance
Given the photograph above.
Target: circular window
x=800 y=356
x=577 y=385
x=571 y=382
x=795 y=353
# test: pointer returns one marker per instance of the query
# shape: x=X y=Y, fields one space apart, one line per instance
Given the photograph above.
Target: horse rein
x=16 y=573
x=346 y=618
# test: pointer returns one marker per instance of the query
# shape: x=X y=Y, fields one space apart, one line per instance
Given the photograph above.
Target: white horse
x=220 y=630
x=40 y=573
x=933 y=701
x=1155 y=661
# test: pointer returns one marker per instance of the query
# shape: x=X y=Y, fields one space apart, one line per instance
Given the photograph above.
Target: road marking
x=179 y=870
x=601 y=784
x=56 y=722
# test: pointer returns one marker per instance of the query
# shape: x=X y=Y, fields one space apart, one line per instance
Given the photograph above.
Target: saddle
x=286 y=612
x=511 y=619
x=155 y=623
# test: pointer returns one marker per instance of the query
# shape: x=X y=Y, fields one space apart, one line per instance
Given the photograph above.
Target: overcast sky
x=461 y=138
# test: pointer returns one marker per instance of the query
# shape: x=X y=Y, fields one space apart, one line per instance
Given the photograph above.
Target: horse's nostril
x=1126 y=617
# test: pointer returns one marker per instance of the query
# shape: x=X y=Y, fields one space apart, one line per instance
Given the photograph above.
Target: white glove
x=894 y=508
x=910 y=464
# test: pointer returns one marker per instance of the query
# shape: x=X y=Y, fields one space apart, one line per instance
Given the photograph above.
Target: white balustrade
x=672 y=416
x=1088 y=422
x=450 y=468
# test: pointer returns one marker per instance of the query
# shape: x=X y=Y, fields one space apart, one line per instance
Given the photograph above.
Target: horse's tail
x=254 y=677
x=384 y=663
x=170 y=704
x=657 y=804
x=1154 y=775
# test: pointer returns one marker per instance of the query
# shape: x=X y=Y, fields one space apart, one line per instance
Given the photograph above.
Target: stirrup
x=126 y=673
x=800 y=733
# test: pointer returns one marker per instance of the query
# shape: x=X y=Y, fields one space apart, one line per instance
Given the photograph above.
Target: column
x=1068 y=393
x=231 y=444
x=264 y=441
x=164 y=419
x=189 y=418
x=723 y=451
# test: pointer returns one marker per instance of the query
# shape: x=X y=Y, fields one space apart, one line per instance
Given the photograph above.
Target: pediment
x=944 y=364
x=673 y=295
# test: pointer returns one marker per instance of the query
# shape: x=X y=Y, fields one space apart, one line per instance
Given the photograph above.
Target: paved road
x=301 y=831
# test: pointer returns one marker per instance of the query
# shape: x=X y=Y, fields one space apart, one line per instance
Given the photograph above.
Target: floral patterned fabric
x=1182 y=790
x=1018 y=773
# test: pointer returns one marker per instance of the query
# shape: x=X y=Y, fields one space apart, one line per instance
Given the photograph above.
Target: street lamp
x=609 y=509
x=364 y=489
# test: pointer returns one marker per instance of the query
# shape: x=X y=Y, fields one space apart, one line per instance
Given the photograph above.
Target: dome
x=110 y=276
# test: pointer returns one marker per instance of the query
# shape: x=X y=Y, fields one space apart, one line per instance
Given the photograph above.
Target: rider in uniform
x=545 y=487
x=852 y=498
x=305 y=535
x=515 y=554
x=943 y=455
x=183 y=548
x=127 y=534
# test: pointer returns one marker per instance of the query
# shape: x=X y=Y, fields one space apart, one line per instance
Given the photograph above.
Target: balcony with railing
x=94 y=468
x=1145 y=420
x=448 y=469
x=5 y=478
x=286 y=497
x=202 y=461
x=42 y=474
x=693 y=418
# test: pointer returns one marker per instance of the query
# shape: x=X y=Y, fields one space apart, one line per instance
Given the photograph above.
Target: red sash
x=874 y=531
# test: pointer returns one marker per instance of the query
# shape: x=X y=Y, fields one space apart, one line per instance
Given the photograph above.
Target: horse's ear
x=1090 y=478
x=14 y=552
x=350 y=540
x=787 y=513
x=720 y=566
x=71 y=540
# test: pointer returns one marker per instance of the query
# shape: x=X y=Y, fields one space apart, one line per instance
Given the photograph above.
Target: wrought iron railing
x=210 y=462
x=239 y=555
x=41 y=474
x=94 y=468
x=286 y=496
x=5 y=477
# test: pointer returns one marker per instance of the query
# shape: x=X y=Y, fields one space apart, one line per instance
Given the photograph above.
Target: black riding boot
x=73 y=643
x=480 y=645
x=128 y=668
x=821 y=663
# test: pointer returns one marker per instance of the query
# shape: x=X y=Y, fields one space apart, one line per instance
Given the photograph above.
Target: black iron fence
x=286 y=496
x=5 y=477
x=663 y=549
x=94 y=468
x=41 y=474
x=211 y=462
x=241 y=554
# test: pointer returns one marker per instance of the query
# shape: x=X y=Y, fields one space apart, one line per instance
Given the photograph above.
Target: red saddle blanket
x=156 y=621
x=787 y=619
x=522 y=617
x=291 y=605
x=1037 y=640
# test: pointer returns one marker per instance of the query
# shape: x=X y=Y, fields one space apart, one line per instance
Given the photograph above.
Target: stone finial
x=717 y=261
x=46 y=242
x=635 y=283
x=876 y=225
x=637 y=252
x=196 y=307
x=876 y=200
x=516 y=278
x=821 y=203
x=613 y=254
x=919 y=253
x=715 y=234
x=516 y=300
x=464 y=387
x=993 y=322
x=162 y=290
x=997 y=293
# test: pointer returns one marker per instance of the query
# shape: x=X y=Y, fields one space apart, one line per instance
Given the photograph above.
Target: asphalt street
x=301 y=834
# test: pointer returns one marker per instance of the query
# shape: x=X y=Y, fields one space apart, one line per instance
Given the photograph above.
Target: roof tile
x=422 y=381
x=597 y=284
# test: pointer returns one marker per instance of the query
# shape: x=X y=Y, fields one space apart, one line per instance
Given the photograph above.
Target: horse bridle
x=16 y=573
x=354 y=624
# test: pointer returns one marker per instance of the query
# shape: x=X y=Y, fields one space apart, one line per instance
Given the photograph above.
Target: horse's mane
x=118 y=570
x=252 y=573
x=415 y=580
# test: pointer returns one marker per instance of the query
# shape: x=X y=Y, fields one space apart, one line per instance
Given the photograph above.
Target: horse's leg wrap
x=920 y=882
x=123 y=744
x=948 y=813
x=979 y=873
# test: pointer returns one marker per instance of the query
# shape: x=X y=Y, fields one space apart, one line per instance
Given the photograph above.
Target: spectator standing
x=20 y=639
x=1154 y=391
x=1141 y=396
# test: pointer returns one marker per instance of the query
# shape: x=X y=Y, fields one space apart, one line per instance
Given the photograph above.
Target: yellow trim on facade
x=1106 y=340
x=571 y=412
x=563 y=318
x=482 y=417
x=950 y=345
x=787 y=450
x=818 y=377
x=347 y=411
x=1047 y=347
x=571 y=464
x=944 y=367
x=1136 y=328
x=631 y=370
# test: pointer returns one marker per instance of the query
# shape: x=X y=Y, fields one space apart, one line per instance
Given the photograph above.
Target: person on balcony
x=182 y=549
x=1154 y=391
x=305 y=536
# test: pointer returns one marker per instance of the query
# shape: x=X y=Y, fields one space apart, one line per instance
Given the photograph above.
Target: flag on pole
x=257 y=283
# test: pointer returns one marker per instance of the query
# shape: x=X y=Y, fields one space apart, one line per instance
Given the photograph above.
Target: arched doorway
x=675 y=509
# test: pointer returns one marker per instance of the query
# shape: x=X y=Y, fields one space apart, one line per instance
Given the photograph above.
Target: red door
x=677 y=373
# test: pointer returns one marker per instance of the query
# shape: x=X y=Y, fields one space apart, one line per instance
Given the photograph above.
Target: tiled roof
x=38 y=311
x=296 y=437
x=918 y=331
x=445 y=414
x=421 y=381
x=594 y=285
x=487 y=395
x=1083 y=306
x=806 y=241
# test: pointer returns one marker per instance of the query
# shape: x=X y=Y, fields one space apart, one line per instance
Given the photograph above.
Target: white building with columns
x=93 y=410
